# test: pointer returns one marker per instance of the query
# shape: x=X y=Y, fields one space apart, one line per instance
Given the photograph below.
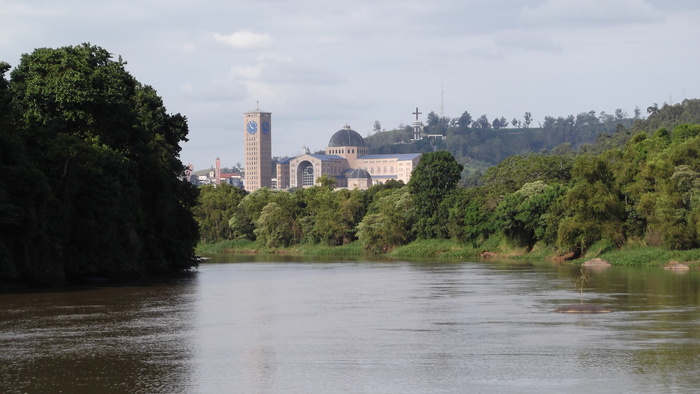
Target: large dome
x=346 y=137
x=358 y=173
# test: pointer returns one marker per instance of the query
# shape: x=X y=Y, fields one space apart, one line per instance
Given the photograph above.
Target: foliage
x=107 y=196
x=514 y=172
x=433 y=179
x=215 y=208
x=389 y=222
x=275 y=226
x=594 y=209
x=522 y=216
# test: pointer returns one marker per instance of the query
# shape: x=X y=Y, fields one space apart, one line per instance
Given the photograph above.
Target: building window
x=307 y=175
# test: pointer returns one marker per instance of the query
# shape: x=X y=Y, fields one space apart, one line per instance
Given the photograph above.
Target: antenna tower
x=442 y=101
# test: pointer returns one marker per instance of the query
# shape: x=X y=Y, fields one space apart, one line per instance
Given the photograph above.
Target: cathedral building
x=346 y=159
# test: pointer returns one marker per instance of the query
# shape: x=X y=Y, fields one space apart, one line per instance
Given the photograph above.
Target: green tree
x=522 y=216
x=242 y=222
x=215 y=208
x=336 y=221
x=593 y=205
x=277 y=225
x=109 y=155
x=528 y=120
x=465 y=120
x=434 y=178
x=389 y=222
x=326 y=181
x=482 y=123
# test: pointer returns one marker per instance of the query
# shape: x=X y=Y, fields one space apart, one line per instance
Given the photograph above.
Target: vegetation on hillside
x=92 y=182
x=478 y=143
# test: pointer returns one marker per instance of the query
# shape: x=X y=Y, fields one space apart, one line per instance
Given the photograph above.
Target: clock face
x=265 y=127
x=252 y=127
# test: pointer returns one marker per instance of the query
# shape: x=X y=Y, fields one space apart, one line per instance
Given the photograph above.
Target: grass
x=649 y=256
x=352 y=249
x=632 y=254
x=228 y=246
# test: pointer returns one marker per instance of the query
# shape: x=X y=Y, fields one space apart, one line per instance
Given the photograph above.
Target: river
x=238 y=326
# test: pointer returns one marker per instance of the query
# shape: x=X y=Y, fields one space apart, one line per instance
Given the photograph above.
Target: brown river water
x=237 y=326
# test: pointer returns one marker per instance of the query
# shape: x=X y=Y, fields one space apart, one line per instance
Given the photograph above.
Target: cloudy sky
x=319 y=64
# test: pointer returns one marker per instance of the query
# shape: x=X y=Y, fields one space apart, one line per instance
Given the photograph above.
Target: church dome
x=359 y=173
x=346 y=137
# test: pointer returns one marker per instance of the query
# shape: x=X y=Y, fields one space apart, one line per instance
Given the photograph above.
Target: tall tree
x=465 y=120
x=482 y=123
x=389 y=221
x=436 y=176
x=110 y=155
x=215 y=208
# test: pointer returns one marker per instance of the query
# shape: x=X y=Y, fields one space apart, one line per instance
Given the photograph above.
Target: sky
x=318 y=65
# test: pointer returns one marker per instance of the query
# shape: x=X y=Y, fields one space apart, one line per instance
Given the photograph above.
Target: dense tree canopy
x=433 y=179
x=97 y=185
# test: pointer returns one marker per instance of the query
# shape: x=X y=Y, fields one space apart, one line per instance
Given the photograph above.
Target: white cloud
x=245 y=39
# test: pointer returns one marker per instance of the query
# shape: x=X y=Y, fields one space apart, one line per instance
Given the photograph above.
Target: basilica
x=348 y=161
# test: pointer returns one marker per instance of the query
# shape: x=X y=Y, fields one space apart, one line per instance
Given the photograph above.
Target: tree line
x=92 y=182
x=645 y=189
x=478 y=143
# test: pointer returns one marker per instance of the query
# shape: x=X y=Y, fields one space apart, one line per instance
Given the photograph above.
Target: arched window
x=307 y=174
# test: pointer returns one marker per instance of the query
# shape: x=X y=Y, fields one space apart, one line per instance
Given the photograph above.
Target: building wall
x=283 y=176
x=389 y=167
x=350 y=153
x=330 y=166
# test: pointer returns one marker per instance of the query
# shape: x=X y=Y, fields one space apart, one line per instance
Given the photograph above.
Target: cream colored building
x=347 y=160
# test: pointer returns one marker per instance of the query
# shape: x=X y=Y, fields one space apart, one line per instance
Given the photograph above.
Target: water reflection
x=319 y=327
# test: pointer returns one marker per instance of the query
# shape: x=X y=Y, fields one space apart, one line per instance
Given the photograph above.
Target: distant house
x=208 y=177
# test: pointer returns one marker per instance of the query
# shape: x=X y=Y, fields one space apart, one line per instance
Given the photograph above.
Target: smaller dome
x=346 y=137
x=359 y=173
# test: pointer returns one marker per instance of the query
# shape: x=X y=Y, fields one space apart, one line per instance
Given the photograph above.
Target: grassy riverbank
x=629 y=255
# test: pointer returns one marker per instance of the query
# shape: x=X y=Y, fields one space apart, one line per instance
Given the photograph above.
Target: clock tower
x=257 y=145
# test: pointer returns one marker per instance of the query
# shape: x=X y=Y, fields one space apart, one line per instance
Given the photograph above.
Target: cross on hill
x=416 y=113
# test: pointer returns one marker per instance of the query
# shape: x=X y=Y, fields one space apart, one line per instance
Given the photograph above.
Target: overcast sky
x=319 y=64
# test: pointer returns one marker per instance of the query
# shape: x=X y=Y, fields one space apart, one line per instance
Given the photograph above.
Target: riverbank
x=629 y=255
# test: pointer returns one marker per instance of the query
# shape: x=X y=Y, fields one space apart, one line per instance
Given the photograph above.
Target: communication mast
x=442 y=101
